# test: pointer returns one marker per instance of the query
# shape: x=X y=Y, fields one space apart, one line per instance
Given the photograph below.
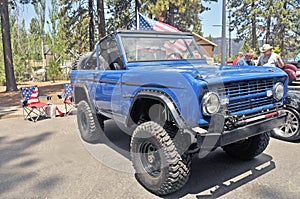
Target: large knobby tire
x=158 y=165
x=90 y=126
x=290 y=131
x=248 y=148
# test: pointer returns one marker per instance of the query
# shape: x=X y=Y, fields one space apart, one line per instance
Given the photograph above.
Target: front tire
x=248 y=148
x=290 y=131
x=90 y=126
x=158 y=165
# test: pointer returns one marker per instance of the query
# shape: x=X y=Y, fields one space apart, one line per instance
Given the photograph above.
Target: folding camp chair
x=33 y=109
x=68 y=97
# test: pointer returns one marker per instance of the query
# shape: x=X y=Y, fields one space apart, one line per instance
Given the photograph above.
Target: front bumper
x=216 y=137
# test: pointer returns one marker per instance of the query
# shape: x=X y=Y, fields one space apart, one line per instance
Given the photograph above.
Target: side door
x=86 y=68
x=108 y=79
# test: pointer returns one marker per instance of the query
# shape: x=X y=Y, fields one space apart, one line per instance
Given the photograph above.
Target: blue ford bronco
x=159 y=86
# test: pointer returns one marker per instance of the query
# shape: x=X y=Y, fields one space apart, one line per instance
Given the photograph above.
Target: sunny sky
x=212 y=17
x=208 y=18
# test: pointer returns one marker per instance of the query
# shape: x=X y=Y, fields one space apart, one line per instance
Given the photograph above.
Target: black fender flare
x=81 y=92
x=168 y=102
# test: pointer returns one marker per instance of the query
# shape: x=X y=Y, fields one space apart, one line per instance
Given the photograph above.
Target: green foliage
x=273 y=21
x=122 y=15
x=73 y=26
x=53 y=71
x=277 y=50
x=19 y=48
x=183 y=14
x=34 y=41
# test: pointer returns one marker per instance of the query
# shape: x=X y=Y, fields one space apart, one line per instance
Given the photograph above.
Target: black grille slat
x=246 y=105
x=248 y=92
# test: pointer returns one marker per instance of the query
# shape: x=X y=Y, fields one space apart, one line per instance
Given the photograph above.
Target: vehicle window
x=91 y=62
x=110 y=57
x=159 y=48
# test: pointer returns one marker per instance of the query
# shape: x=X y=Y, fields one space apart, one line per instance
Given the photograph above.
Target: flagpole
x=223 y=41
x=137 y=14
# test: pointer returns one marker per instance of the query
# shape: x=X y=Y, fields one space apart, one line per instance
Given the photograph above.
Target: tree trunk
x=253 y=21
x=268 y=25
x=101 y=19
x=171 y=14
x=91 y=26
x=7 y=52
x=282 y=34
x=268 y=30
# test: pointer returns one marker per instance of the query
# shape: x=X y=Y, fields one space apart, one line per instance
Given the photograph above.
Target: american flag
x=146 y=23
x=68 y=89
x=30 y=94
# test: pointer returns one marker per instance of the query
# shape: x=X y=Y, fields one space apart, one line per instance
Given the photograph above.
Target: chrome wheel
x=291 y=126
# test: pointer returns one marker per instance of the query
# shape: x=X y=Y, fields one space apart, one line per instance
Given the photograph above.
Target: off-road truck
x=159 y=85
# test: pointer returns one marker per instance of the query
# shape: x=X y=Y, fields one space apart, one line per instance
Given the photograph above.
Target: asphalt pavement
x=47 y=159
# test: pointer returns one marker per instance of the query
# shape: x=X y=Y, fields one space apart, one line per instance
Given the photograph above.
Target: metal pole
x=223 y=47
x=229 y=32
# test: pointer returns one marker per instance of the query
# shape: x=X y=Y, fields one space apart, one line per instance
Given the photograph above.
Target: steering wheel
x=174 y=56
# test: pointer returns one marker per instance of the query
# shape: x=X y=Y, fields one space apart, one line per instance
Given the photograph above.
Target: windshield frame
x=192 y=50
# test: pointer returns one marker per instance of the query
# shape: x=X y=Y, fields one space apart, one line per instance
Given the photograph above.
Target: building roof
x=199 y=38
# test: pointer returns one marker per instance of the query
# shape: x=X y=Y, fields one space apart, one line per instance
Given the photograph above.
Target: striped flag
x=146 y=23
x=30 y=94
x=68 y=90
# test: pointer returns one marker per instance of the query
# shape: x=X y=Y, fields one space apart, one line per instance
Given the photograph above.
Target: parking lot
x=47 y=159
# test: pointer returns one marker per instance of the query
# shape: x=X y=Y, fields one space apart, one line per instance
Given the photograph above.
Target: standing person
x=239 y=56
x=269 y=58
x=247 y=59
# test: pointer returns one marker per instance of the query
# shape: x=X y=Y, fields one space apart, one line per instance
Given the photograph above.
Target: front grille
x=247 y=94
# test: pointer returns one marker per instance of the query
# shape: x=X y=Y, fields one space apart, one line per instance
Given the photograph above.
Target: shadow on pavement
x=217 y=174
x=211 y=177
x=7 y=112
x=16 y=160
x=116 y=139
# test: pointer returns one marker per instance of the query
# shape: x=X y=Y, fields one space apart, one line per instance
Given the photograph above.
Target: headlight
x=210 y=103
x=278 y=91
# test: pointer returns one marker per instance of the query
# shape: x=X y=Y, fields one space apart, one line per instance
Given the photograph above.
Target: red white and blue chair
x=33 y=109
x=68 y=97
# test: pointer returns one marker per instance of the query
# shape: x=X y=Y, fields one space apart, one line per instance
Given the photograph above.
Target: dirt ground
x=13 y=99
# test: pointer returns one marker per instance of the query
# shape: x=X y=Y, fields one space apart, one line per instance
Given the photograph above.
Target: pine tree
x=40 y=10
x=7 y=51
x=122 y=15
x=183 y=14
x=273 y=21
x=73 y=27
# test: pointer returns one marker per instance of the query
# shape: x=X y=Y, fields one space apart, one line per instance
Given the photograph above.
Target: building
x=207 y=47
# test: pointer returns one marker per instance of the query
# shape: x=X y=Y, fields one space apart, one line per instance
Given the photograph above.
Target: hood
x=212 y=74
x=215 y=74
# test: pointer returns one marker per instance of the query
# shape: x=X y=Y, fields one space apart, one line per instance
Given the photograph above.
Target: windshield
x=145 y=48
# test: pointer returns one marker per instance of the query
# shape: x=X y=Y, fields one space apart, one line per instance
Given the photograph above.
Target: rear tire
x=248 y=148
x=90 y=126
x=80 y=61
x=158 y=165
